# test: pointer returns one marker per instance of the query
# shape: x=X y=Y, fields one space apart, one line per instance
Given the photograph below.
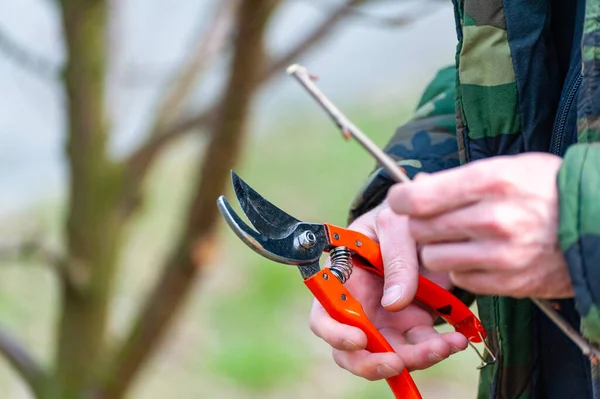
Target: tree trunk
x=93 y=230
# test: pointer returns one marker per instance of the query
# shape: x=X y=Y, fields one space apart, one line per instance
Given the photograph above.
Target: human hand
x=407 y=327
x=491 y=224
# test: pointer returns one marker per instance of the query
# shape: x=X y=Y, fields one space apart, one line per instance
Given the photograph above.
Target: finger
x=336 y=334
x=482 y=220
x=467 y=256
x=516 y=285
x=365 y=223
x=401 y=267
x=372 y=366
x=456 y=340
x=422 y=347
x=443 y=191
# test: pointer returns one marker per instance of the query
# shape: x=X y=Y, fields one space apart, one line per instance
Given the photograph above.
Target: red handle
x=446 y=305
x=342 y=306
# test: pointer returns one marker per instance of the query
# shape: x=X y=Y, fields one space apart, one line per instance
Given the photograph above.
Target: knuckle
x=513 y=258
x=475 y=174
x=502 y=186
x=396 y=267
x=385 y=218
x=313 y=324
x=499 y=221
x=401 y=197
x=365 y=371
x=457 y=279
x=429 y=260
x=339 y=359
x=416 y=205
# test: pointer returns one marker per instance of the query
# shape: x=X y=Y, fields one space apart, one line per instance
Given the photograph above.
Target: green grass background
x=243 y=332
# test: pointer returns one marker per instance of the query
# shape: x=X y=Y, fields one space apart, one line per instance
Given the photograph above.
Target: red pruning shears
x=284 y=239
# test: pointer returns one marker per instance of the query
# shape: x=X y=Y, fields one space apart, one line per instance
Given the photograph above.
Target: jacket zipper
x=556 y=149
x=559 y=129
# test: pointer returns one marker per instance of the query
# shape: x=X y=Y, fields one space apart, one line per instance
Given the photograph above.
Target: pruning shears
x=282 y=238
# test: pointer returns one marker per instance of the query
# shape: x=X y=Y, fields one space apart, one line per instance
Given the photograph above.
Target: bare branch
x=34 y=63
x=29 y=247
x=22 y=362
x=312 y=39
x=206 y=47
x=140 y=161
x=359 y=15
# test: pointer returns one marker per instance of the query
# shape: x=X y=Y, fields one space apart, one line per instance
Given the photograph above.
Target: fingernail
x=386 y=371
x=350 y=345
x=391 y=295
x=435 y=357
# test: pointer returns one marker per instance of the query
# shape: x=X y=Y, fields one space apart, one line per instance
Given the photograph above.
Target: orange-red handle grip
x=441 y=301
x=343 y=307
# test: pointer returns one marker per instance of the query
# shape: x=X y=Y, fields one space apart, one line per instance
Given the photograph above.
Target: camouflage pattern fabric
x=426 y=143
x=579 y=186
x=513 y=96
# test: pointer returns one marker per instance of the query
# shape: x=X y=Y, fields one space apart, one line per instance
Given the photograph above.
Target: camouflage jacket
x=527 y=78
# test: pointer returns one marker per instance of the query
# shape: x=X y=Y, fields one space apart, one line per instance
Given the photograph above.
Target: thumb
x=401 y=266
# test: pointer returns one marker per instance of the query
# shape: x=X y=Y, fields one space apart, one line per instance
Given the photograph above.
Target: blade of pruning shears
x=268 y=219
x=278 y=236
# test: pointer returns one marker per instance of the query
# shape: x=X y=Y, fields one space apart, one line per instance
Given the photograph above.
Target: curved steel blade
x=282 y=250
x=268 y=219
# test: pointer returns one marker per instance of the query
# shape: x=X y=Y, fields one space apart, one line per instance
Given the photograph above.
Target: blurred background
x=119 y=123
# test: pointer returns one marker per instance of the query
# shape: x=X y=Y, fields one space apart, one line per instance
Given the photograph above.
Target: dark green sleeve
x=579 y=230
x=579 y=186
x=426 y=143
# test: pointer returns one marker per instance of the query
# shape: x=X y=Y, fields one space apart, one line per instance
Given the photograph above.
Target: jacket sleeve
x=426 y=143
x=579 y=230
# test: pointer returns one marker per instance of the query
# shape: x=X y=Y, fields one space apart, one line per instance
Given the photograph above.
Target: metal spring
x=341 y=263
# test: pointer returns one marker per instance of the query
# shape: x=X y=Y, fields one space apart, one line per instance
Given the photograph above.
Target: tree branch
x=140 y=161
x=196 y=243
x=93 y=227
x=31 y=247
x=362 y=16
x=34 y=63
x=210 y=41
x=316 y=36
x=22 y=362
x=206 y=47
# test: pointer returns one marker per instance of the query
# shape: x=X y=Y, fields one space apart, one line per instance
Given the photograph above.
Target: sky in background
x=360 y=62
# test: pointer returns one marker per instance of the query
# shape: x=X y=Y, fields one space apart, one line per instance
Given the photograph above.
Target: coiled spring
x=341 y=263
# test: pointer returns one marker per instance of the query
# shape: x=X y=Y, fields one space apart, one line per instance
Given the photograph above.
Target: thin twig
x=316 y=36
x=140 y=160
x=587 y=348
x=206 y=46
x=22 y=362
x=29 y=247
x=33 y=247
x=378 y=21
x=34 y=63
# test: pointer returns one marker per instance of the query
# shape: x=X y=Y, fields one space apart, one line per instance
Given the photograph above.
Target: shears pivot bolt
x=307 y=239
